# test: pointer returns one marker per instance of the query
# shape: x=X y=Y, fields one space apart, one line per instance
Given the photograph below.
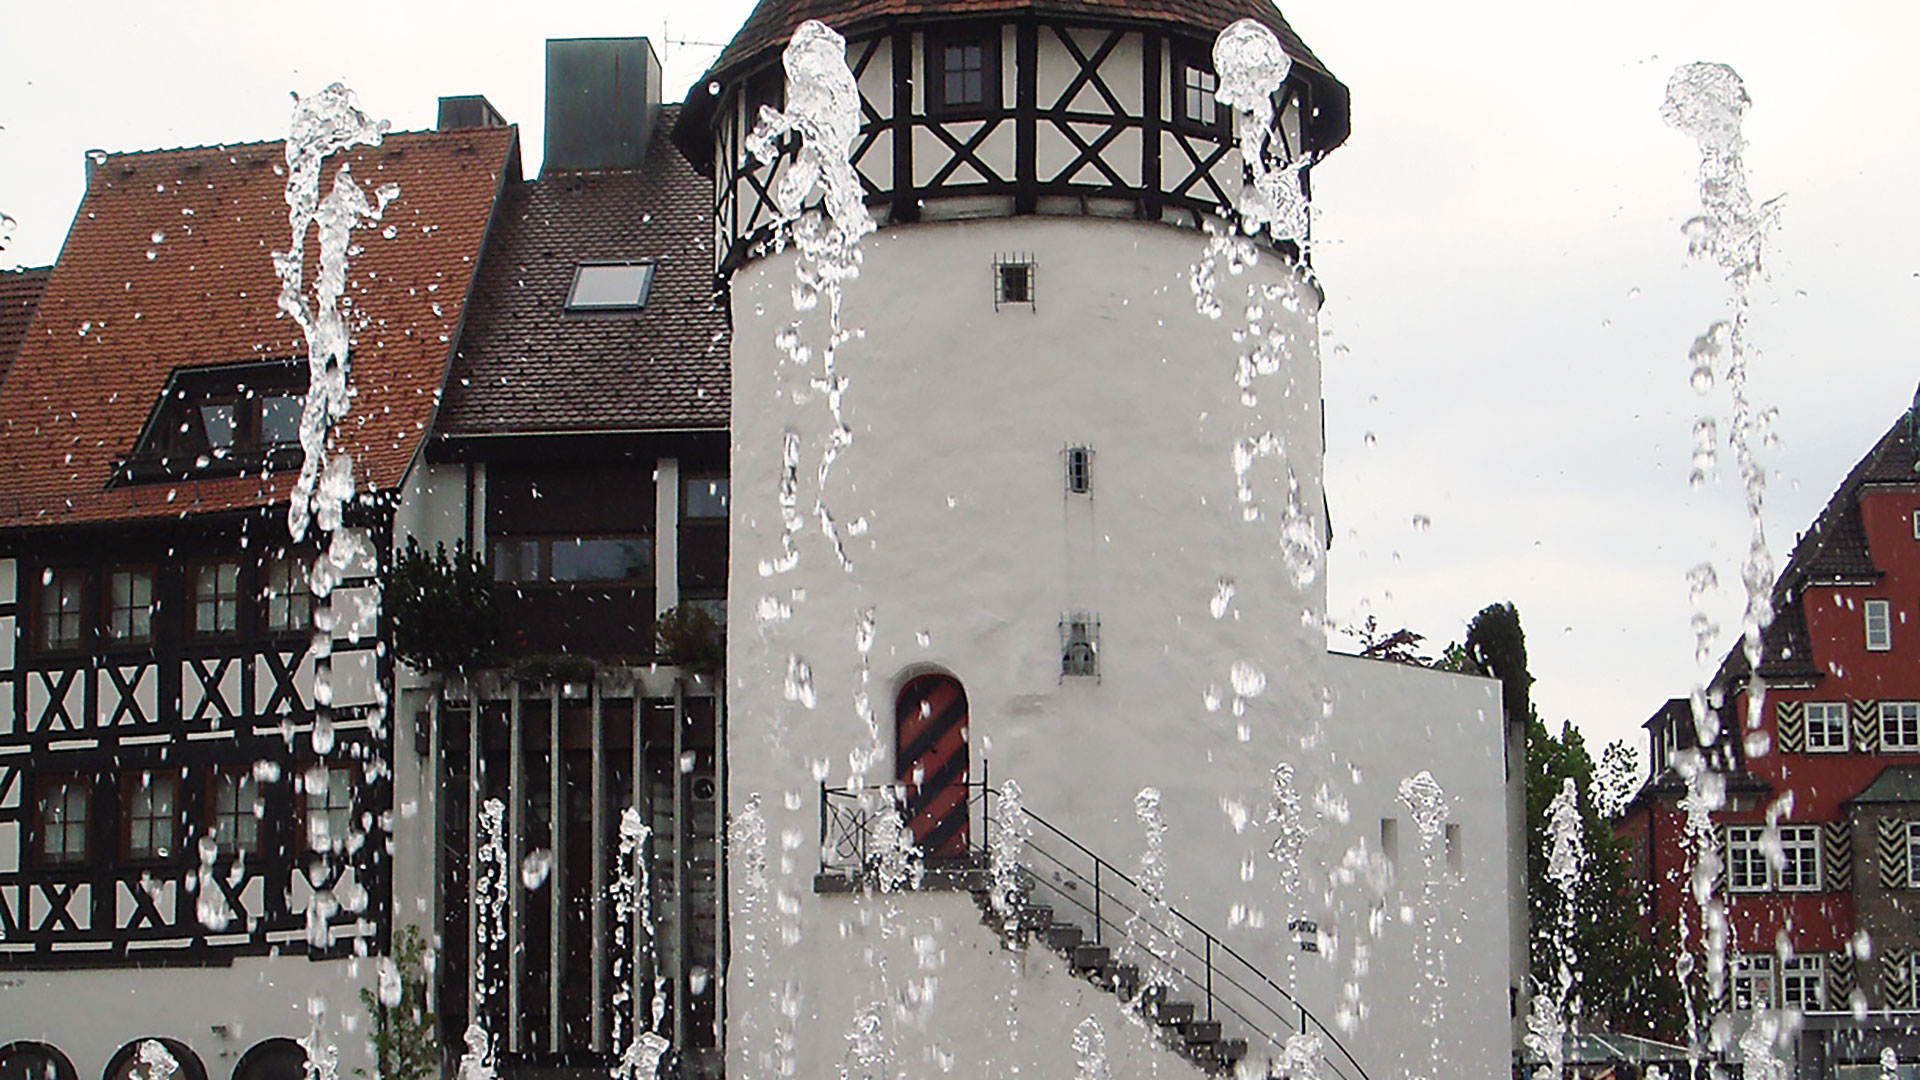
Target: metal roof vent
x=603 y=96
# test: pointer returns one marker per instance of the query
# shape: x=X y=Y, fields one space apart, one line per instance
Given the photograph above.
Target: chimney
x=603 y=95
x=468 y=111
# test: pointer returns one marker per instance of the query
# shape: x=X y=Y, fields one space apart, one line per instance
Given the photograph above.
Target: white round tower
x=1040 y=514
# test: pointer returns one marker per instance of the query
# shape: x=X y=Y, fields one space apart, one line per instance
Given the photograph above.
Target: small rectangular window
x=1826 y=727
x=326 y=807
x=1198 y=104
x=1913 y=854
x=1879 y=625
x=216 y=598
x=1752 y=982
x=152 y=815
x=1900 y=725
x=963 y=72
x=1079 y=470
x=1013 y=281
x=237 y=808
x=58 y=609
x=609 y=286
x=1800 y=858
x=1080 y=645
x=130 y=606
x=61 y=812
x=286 y=597
x=1916 y=524
x=603 y=559
x=706 y=496
x=1747 y=869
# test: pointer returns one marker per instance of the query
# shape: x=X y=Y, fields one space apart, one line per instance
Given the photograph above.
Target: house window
x=1752 y=982
x=610 y=286
x=1879 y=625
x=706 y=496
x=1916 y=524
x=574 y=560
x=1900 y=725
x=1800 y=869
x=130 y=606
x=59 y=608
x=326 y=806
x=236 y=811
x=222 y=420
x=964 y=73
x=216 y=598
x=1079 y=470
x=152 y=802
x=286 y=596
x=1198 y=105
x=61 y=837
x=1013 y=280
x=1746 y=859
x=1826 y=726
x=1803 y=983
x=1080 y=645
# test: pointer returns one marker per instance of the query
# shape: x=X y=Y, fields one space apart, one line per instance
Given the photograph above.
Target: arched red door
x=930 y=719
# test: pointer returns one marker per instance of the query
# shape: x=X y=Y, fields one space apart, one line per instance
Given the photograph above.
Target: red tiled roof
x=169 y=264
x=19 y=295
x=773 y=21
x=526 y=365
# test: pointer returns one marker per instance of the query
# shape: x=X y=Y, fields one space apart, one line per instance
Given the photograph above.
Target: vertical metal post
x=556 y=873
x=1209 y=938
x=1096 y=901
x=682 y=833
x=516 y=835
x=599 y=848
x=824 y=847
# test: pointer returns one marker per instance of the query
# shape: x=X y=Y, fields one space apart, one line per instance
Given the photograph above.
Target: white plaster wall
x=90 y=1015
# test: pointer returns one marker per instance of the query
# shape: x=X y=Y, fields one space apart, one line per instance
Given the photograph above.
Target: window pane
x=610 y=286
x=706 y=497
x=516 y=560
x=217 y=421
x=619 y=559
x=280 y=419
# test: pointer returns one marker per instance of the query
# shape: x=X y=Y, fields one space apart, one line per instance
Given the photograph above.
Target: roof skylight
x=609 y=286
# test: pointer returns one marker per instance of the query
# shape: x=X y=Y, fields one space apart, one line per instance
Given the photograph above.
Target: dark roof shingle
x=19 y=296
x=527 y=365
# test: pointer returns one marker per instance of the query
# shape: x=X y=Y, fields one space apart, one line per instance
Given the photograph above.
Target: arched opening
x=26 y=1060
x=273 y=1059
x=130 y=1064
x=930 y=721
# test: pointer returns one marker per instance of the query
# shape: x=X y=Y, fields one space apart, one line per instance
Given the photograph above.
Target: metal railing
x=1108 y=905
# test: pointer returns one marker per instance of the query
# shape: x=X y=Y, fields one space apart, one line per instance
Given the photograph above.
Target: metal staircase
x=1207 y=1002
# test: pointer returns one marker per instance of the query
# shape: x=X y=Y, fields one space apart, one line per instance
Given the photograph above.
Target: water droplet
x=1222 y=597
x=1248 y=680
x=1369 y=440
x=1421 y=523
x=158 y=236
x=925 y=639
x=535 y=868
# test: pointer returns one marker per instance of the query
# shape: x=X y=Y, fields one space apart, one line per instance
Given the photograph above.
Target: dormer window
x=963 y=72
x=216 y=421
x=610 y=286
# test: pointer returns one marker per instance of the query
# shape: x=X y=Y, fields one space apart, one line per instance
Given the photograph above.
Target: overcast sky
x=1509 y=302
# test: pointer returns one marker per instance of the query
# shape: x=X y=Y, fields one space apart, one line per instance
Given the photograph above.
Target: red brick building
x=1826 y=923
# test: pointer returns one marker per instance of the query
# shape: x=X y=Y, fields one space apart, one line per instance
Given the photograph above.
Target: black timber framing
x=1188 y=186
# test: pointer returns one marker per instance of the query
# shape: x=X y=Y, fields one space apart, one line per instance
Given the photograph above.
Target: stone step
x=1091 y=957
x=1126 y=980
x=1063 y=936
x=1200 y=1031
x=1035 y=917
x=1171 y=1013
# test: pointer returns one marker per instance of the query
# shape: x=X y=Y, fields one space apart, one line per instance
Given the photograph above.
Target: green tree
x=445 y=616
x=1622 y=982
x=405 y=1046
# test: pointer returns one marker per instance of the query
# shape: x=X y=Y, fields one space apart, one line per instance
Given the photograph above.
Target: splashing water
x=822 y=210
x=1090 y=1051
x=632 y=892
x=1152 y=933
x=1252 y=67
x=1708 y=102
x=211 y=903
x=1011 y=831
x=1549 y=1018
x=490 y=905
x=1889 y=1064
x=156 y=1061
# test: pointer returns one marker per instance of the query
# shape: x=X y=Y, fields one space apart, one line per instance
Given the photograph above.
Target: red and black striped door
x=931 y=719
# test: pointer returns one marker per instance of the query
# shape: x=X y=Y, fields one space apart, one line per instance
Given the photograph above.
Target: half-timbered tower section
x=1834 y=757
x=583 y=450
x=181 y=821
x=1018 y=107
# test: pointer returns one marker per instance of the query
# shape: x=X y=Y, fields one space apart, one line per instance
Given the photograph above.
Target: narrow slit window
x=1080 y=646
x=610 y=286
x=1079 y=470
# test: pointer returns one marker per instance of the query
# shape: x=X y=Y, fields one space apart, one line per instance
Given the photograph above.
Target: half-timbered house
x=1824 y=922
x=192 y=848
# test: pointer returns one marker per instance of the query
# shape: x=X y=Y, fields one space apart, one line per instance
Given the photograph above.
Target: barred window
x=1079 y=470
x=1826 y=726
x=1803 y=983
x=1080 y=645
